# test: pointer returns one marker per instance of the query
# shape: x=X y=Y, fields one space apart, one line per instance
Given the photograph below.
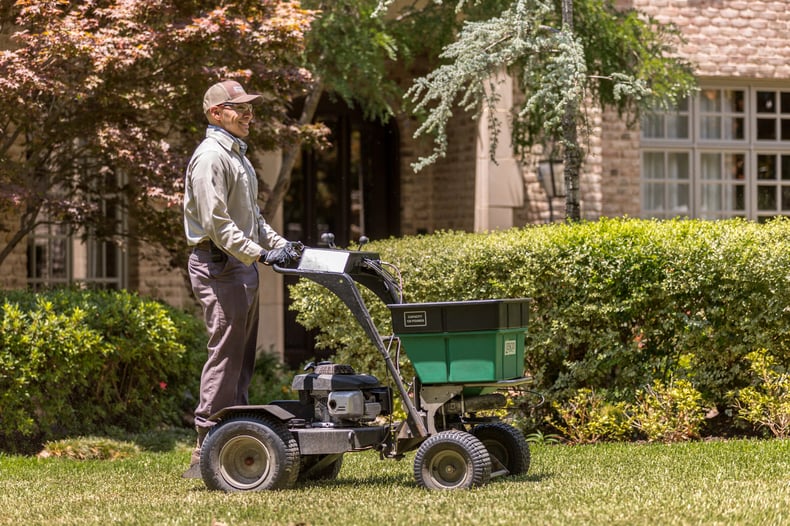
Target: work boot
x=193 y=472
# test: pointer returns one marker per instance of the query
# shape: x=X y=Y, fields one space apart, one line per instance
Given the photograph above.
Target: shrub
x=617 y=303
x=588 y=418
x=766 y=404
x=76 y=361
x=668 y=413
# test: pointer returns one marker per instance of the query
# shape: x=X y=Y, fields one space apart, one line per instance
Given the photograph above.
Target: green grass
x=721 y=482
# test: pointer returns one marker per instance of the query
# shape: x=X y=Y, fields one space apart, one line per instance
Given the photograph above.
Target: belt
x=206 y=245
x=217 y=255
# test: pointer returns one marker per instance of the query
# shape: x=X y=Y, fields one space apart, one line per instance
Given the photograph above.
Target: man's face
x=235 y=118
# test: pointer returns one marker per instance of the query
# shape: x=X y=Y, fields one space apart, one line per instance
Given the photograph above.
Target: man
x=228 y=236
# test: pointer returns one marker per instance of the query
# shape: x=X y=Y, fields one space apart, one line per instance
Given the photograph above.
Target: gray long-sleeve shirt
x=220 y=199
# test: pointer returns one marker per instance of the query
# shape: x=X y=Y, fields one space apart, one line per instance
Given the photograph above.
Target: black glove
x=282 y=256
x=297 y=247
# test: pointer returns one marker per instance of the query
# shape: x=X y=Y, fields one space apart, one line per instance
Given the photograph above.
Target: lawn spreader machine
x=466 y=355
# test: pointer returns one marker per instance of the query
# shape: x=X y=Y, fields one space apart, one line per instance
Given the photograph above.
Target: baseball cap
x=227 y=91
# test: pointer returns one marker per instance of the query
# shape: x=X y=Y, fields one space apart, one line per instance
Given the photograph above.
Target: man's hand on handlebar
x=282 y=256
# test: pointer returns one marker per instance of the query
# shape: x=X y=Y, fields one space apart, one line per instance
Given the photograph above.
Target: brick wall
x=454 y=177
x=440 y=196
x=416 y=212
x=620 y=190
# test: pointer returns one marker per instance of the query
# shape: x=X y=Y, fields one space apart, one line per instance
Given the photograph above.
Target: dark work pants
x=228 y=292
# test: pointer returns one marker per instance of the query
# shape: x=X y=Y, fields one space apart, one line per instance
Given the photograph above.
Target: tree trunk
x=290 y=152
x=27 y=223
x=573 y=157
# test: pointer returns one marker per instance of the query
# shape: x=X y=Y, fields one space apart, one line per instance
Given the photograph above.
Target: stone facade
x=729 y=38
x=14 y=269
x=619 y=178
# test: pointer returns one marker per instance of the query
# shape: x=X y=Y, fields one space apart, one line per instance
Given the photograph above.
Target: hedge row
x=75 y=362
x=618 y=304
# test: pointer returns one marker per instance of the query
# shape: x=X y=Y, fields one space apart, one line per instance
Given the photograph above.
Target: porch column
x=271 y=327
x=499 y=184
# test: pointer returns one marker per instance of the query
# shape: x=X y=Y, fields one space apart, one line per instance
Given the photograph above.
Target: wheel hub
x=244 y=462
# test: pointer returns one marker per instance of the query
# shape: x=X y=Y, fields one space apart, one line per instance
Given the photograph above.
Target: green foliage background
x=617 y=304
x=75 y=362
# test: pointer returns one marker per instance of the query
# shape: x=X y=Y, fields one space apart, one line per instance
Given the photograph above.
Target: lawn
x=719 y=482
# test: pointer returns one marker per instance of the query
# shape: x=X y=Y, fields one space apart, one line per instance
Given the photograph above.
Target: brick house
x=724 y=153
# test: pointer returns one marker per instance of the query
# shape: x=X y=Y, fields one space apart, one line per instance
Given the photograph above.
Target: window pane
x=733 y=101
x=766 y=167
x=733 y=128
x=677 y=126
x=739 y=198
x=59 y=254
x=785 y=123
x=653 y=196
x=653 y=126
x=653 y=165
x=710 y=128
x=786 y=168
x=766 y=102
x=678 y=166
x=785 y=102
x=679 y=199
x=766 y=198
x=734 y=164
x=36 y=258
x=785 y=198
x=712 y=200
x=766 y=129
x=710 y=100
x=710 y=166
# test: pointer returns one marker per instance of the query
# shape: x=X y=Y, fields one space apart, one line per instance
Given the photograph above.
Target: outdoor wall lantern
x=551 y=174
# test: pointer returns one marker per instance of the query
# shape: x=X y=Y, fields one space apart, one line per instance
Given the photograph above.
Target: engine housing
x=341 y=397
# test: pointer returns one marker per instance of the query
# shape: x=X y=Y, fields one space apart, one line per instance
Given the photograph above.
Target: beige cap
x=227 y=91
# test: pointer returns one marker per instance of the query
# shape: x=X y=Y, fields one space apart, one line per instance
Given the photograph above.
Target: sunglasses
x=241 y=109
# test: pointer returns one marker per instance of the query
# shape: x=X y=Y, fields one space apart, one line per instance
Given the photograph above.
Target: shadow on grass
x=396 y=480
x=403 y=481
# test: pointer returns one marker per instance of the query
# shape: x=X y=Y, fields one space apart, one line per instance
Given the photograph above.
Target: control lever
x=329 y=239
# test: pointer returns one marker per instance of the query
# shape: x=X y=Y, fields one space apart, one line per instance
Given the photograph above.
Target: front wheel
x=452 y=460
x=249 y=453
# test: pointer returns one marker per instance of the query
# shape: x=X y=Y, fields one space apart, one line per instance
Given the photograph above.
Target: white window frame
x=735 y=191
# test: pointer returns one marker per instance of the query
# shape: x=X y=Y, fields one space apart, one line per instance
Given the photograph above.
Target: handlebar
x=362 y=267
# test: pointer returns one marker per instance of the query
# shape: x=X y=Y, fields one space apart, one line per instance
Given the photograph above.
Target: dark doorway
x=351 y=189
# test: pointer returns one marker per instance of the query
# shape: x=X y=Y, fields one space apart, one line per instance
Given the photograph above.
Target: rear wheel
x=249 y=453
x=452 y=460
x=506 y=445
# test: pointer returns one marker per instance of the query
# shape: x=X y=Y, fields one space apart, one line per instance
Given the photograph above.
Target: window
x=723 y=153
x=57 y=258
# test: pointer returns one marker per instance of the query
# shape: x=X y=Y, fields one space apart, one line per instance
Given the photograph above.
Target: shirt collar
x=226 y=139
